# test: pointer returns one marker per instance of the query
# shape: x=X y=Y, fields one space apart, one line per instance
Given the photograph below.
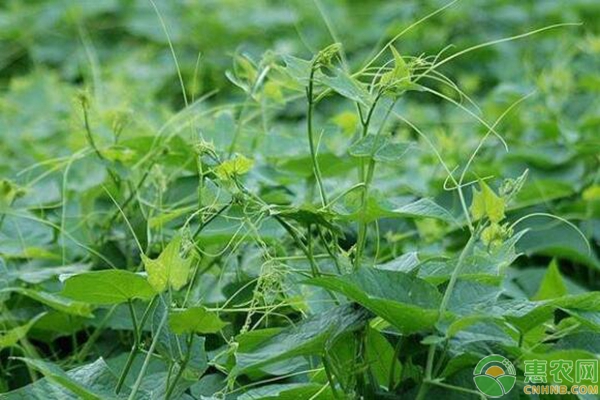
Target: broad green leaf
x=37 y=274
x=346 y=86
x=55 y=301
x=485 y=265
x=379 y=355
x=469 y=297
x=297 y=69
x=170 y=268
x=307 y=214
x=408 y=303
x=585 y=340
x=405 y=263
x=378 y=208
x=552 y=285
x=527 y=315
x=556 y=240
x=487 y=204
x=195 y=320
x=330 y=164
x=288 y=391
x=469 y=339
x=393 y=152
x=540 y=191
x=91 y=382
x=107 y=287
x=234 y=167
x=312 y=336
x=380 y=148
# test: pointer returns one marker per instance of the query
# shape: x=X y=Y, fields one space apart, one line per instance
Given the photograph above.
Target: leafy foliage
x=294 y=200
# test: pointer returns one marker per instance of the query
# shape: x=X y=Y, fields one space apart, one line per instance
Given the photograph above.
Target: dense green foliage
x=328 y=199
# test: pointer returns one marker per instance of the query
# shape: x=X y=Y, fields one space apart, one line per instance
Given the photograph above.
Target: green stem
x=309 y=129
x=94 y=336
x=392 y=377
x=238 y=128
x=362 y=227
x=327 y=368
x=140 y=377
x=184 y=363
x=90 y=137
x=134 y=349
x=443 y=306
x=310 y=252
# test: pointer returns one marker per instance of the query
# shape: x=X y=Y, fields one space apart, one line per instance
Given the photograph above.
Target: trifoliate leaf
x=487 y=203
x=169 y=269
x=236 y=166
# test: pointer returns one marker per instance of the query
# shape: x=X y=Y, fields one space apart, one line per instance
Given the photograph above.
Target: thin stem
x=392 y=378
x=184 y=363
x=309 y=247
x=362 y=228
x=134 y=349
x=309 y=129
x=94 y=336
x=140 y=377
x=90 y=138
x=327 y=368
x=443 y=306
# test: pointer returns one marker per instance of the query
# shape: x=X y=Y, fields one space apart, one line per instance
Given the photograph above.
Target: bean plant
x=261 y=248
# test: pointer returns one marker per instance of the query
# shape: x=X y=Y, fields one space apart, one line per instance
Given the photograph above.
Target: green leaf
x=56 y=302
x=378 y=208
x=552 y=285
x=556 y=240
x=234 y=167
x=346 y=86
x=169 y=269
x=297 y=69
x=288 y=391
x=405 y=263
x=307 y=214
x=408 y=303
x=312 y=336
x=11 y=337
x=398 y=78
x=195 y=320
x=91 y=382
x=37 y=274
x=487 y=203
x=107 y=287
x=380 y=148
x=379 y=355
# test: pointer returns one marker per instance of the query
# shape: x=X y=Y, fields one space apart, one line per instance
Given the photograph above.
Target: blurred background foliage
x=118 y=52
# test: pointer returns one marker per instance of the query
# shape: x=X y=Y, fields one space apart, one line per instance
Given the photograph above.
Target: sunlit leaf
x=107 y=287
x=170 y=268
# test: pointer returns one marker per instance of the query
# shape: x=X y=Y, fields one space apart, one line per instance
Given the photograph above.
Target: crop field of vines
x=299 y=199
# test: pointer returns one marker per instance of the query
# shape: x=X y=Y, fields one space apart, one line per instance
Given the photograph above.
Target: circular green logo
x=494 y=376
